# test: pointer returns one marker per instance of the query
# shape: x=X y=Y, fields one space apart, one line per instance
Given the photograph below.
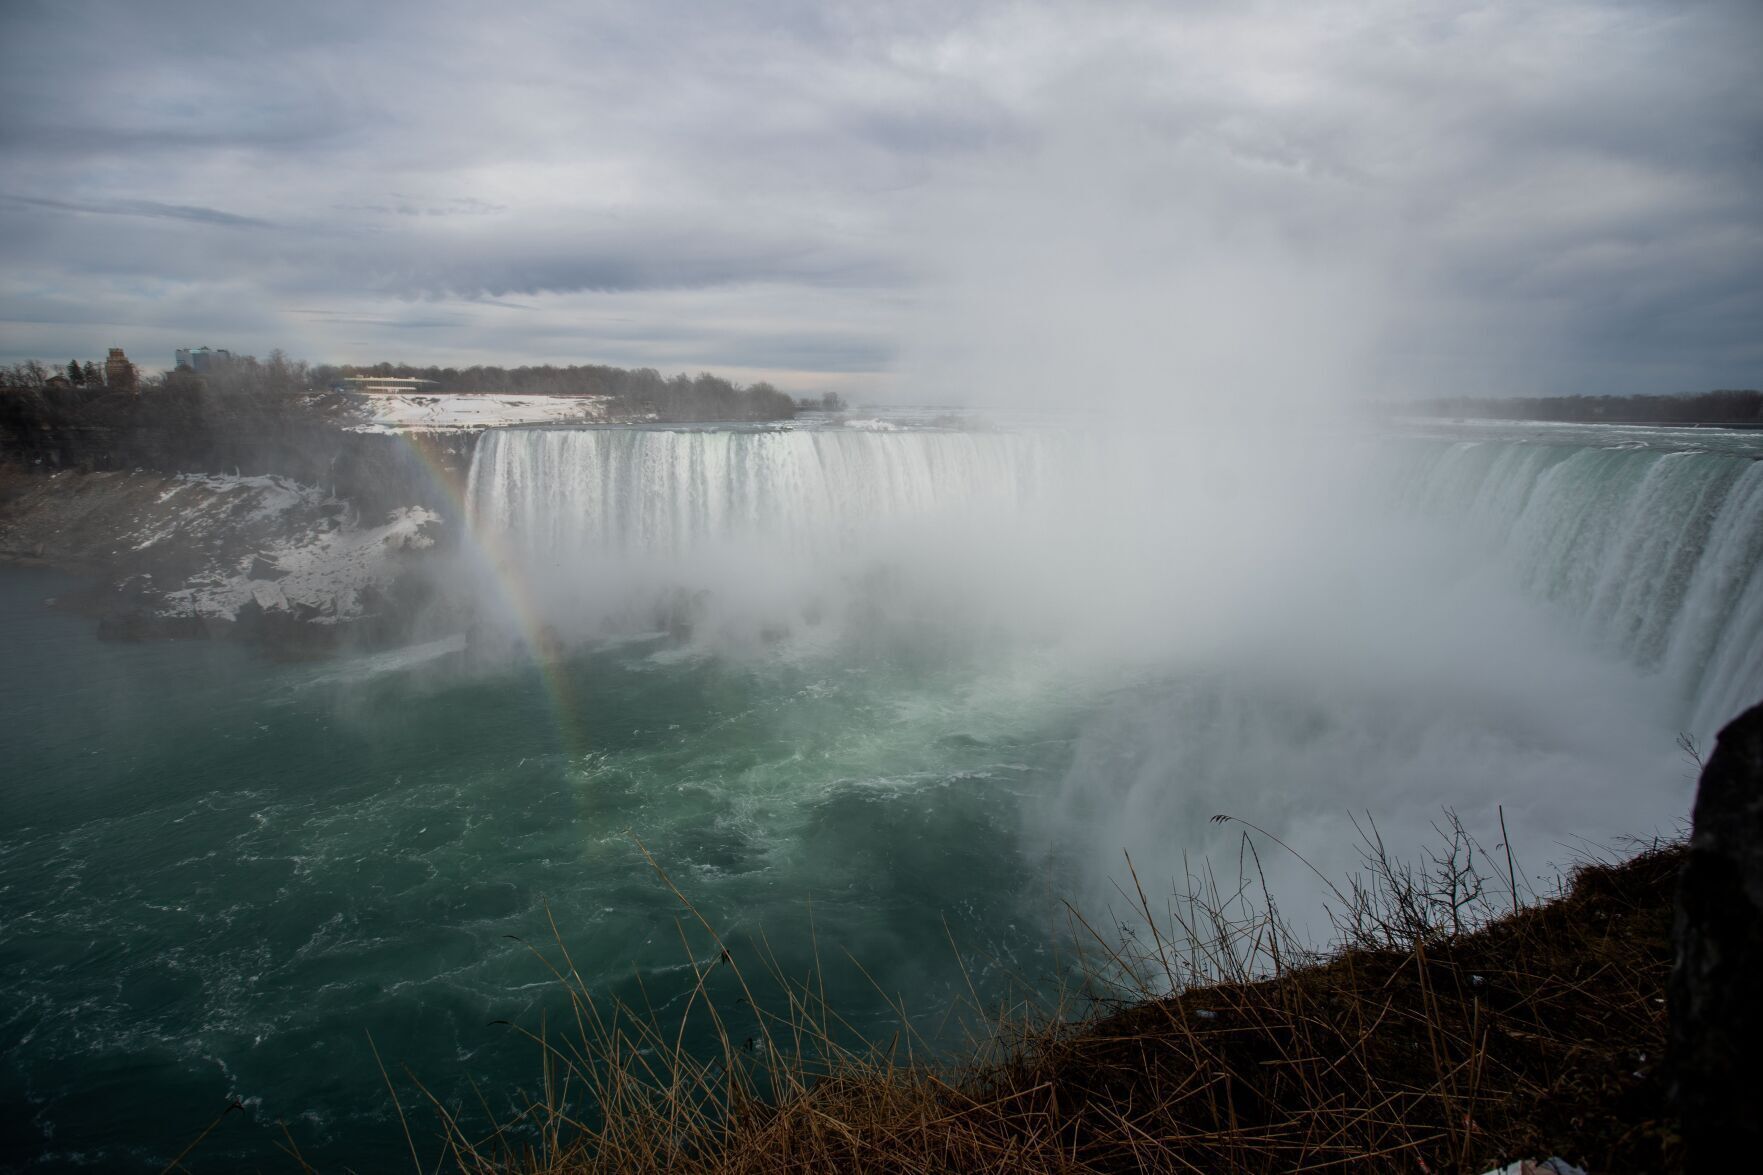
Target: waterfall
x=647 y=493
x=1653 y=554
x=749 y=531
x=1656 y=555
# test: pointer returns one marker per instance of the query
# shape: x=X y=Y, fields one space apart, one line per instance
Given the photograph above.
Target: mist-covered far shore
x=1729 y=408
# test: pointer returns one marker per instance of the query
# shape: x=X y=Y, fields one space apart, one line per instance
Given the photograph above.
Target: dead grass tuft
x=1459 y=1024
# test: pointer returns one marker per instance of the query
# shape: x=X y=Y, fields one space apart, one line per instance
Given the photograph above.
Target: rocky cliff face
x=203 y=555
x=277 y=522
x=1716 y=1021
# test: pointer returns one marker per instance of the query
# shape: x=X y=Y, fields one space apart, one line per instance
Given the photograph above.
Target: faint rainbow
x=503 y=571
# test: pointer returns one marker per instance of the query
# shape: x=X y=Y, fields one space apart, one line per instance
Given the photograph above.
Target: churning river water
x=874 y=692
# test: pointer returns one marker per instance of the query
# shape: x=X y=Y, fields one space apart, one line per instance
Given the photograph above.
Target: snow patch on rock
x=329 y=572
x=221 y=501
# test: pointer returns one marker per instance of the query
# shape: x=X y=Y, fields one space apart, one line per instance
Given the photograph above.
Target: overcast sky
x=902 y=201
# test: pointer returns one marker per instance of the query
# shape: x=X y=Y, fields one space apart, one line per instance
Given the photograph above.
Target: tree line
x=1718 y=407
x=32 y=374
x=641 y=391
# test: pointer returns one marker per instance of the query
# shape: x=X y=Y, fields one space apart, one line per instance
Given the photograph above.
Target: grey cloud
x=837 y=353
x=147 y=208
x=846 y=185
x=418 y=206
x=447 y=322
x=651 y=253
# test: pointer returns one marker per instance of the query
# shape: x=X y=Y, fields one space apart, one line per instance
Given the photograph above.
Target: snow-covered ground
x=415 y=410
x=328 y=571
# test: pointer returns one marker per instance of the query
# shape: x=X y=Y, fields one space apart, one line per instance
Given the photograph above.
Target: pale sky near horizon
x=906 y=201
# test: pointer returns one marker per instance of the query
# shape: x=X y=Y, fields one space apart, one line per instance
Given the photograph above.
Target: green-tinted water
x=220 y=874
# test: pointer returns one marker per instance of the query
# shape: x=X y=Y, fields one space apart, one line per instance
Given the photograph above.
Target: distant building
x=382 y=384
x=201 y=359
x=119 y=373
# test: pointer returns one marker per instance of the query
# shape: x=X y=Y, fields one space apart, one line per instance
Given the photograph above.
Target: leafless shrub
x=1454 y=1028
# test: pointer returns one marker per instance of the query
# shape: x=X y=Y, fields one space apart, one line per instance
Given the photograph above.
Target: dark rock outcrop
x=1717 y=980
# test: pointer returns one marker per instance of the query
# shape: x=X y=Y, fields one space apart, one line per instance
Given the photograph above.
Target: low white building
x=382 y=384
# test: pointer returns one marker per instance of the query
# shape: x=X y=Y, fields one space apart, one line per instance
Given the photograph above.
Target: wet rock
x=1716 y=1021
x=269 y=597
x=125 y=625
x=262 y=568
x=282 y=636
x=134 y=591
x=187 y=627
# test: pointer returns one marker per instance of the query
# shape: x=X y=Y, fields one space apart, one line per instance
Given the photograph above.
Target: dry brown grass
x=1460 y=1024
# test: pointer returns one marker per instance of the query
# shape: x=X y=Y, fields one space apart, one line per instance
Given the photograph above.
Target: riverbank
x=1422 y=1045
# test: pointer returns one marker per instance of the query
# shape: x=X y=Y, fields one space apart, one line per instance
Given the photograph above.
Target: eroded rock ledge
x=294 y=567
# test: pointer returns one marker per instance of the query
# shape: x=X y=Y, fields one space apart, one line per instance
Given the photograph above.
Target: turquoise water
x=219 y=873
x=920 y=689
